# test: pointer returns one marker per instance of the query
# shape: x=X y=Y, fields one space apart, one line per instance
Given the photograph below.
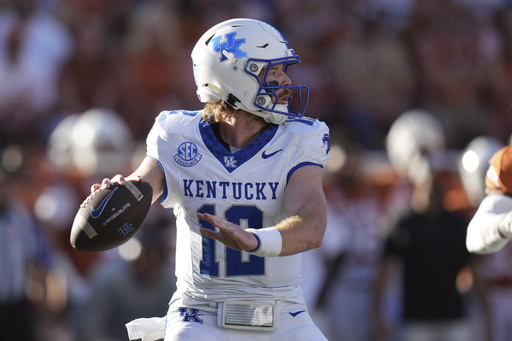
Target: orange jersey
x=499 y=174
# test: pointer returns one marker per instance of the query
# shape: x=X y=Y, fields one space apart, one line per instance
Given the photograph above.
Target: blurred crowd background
x=81 y=81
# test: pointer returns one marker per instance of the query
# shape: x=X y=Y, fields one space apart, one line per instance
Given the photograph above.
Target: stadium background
x=367 y=62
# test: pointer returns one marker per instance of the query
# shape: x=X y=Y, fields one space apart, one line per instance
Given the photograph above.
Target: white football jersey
x=246 y=187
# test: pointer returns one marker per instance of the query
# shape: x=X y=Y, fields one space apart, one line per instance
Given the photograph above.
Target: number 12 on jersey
x=235 y=265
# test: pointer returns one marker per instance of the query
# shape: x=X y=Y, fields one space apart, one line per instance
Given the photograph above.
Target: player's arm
x=491 y=226
x=303 y=230
x=149 y=170
x=306 y=208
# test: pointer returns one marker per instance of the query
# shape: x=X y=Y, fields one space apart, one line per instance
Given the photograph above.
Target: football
x=111 y=216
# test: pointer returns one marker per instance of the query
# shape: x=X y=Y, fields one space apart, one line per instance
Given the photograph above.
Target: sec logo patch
x=187 y=155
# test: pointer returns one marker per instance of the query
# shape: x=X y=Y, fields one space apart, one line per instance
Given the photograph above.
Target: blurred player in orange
x=491 y=226
x=488 y=233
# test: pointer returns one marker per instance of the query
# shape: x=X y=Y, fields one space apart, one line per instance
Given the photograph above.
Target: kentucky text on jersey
x=230 y=190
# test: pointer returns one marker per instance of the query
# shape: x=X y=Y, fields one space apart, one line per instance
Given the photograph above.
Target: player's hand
x=229 y=234
x=116 y=179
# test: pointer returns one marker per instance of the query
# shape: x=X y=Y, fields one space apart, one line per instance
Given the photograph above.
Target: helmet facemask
x=267 y=97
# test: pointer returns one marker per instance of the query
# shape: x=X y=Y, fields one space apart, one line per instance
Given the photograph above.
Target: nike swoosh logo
x=266 y=156
x=297 y=313
x=97 y=212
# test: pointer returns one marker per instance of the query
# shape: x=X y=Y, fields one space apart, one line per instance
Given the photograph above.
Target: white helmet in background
x=413 y=142
x=101 y=143
x=59 y=144
x=228 y=59
x=473 y=165
x=56 y=206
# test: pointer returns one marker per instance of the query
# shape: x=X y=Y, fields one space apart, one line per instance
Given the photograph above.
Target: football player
x=243 y=177
x=491 y=226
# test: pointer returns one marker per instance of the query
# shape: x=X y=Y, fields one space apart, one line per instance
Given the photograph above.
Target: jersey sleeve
x=483 y=234
x=312 y=145
x=168 y=125
x=161 y=143
x=154 y=136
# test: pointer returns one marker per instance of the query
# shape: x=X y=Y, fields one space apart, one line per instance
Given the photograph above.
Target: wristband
x=258 y=240
x=270 y=242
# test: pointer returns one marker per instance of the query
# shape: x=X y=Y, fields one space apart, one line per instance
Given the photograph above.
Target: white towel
x=147 y=329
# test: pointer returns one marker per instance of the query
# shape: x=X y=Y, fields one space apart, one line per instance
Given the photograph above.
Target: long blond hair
x=216 y=111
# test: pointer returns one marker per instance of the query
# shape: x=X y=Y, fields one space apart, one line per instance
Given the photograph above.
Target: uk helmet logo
x=230 y=45
x=187 y=155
